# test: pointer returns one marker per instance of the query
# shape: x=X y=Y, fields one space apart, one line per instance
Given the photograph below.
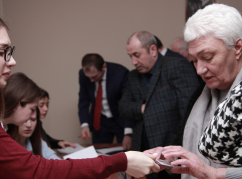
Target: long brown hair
x=35 y=138
x=19 y=89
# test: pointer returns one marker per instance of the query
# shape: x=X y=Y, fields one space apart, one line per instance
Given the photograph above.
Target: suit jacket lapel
x=155 y=77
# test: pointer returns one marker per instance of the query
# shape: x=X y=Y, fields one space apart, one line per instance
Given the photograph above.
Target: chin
x=3 y=84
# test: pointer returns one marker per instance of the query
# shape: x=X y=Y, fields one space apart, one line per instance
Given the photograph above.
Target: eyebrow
x=198 y=52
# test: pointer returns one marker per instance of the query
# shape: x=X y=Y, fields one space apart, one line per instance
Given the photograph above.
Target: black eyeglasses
x=8 y=52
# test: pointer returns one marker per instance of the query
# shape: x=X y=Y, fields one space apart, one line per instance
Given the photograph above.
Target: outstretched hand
x=157 y=152
x=140 y=164
x=64 y=144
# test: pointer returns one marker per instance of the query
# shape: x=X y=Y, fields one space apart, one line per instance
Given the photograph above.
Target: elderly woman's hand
x=193 y=164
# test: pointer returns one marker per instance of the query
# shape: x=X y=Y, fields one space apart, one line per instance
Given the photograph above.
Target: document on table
x=88 y=152
x=69 y=150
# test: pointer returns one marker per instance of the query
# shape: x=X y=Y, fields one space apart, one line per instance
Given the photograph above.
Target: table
x=99 y=146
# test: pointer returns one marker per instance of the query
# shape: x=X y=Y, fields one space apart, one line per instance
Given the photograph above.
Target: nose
x=11 y=62
x=45 y=107
x=27 y=123
x=134 y=61
x=33 y=115
x=201 y=68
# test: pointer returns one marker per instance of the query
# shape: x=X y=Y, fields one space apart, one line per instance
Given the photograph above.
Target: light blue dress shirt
x=47 y=152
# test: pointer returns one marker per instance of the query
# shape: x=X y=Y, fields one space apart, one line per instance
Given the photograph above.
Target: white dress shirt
x=105 y=106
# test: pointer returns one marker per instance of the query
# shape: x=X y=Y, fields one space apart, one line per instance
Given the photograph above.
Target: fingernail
x=154 y=153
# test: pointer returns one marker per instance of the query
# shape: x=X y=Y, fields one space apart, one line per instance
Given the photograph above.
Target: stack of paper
x=88 y=152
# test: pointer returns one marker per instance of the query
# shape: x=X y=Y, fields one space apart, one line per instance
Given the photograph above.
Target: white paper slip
x=108 y=150
x=69 y=150
x=88 y=152
x=163 y=162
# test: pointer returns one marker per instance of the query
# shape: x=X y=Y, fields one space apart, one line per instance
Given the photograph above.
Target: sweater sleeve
x=17 y=162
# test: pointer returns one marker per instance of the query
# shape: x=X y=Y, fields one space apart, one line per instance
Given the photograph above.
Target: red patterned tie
x=98 y=108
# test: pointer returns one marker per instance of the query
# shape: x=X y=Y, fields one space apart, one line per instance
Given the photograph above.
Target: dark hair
x=19 y=89
x=158 y=42
x=35 y=138
x=147 y=39
x=44 y=94
x=92 y=59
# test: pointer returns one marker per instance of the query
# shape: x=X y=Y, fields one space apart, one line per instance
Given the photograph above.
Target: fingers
x=127 y=140
x=156 y=151
x=175 y=151
x=69 y=144
x=85 y=132
x=61 y=144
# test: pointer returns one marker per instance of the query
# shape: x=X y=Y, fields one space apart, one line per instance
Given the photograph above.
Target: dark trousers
x=109 y=128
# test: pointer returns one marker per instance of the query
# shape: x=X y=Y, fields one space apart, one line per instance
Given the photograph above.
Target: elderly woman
x=214 y=42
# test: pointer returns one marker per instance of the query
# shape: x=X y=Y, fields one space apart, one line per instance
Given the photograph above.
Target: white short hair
x=219 y=20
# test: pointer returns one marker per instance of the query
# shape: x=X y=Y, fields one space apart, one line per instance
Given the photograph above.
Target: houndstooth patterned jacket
x=221 y=141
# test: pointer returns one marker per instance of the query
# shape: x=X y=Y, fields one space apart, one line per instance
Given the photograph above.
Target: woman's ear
x=238 y=48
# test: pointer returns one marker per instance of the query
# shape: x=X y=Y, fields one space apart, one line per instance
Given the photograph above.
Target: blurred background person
x=166 y=51
x=102 y=85
x=180 y=46
x=44 y=108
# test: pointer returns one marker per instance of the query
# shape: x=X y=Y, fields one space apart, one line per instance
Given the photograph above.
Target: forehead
x=134 y=45
x=203 y=44
x=4 y=38
x=90 y=70
x=44 y=100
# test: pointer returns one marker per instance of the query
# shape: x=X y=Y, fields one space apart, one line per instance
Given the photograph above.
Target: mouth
x=27 y=131
x=207 y=79
x=7 y=74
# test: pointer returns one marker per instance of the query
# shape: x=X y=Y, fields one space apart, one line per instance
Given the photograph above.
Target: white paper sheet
x=69 y=150
x=88 y=152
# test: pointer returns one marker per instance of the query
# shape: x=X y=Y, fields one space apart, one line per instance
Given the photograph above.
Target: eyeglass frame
x=5 y=52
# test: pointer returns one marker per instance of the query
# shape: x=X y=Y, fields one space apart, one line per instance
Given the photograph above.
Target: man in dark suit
x=158 y=94
x=102 y=85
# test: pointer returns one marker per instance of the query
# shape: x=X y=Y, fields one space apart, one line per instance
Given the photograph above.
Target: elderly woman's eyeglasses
x=8 y=52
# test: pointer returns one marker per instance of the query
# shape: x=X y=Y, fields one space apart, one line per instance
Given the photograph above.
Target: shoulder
x=116 y=66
